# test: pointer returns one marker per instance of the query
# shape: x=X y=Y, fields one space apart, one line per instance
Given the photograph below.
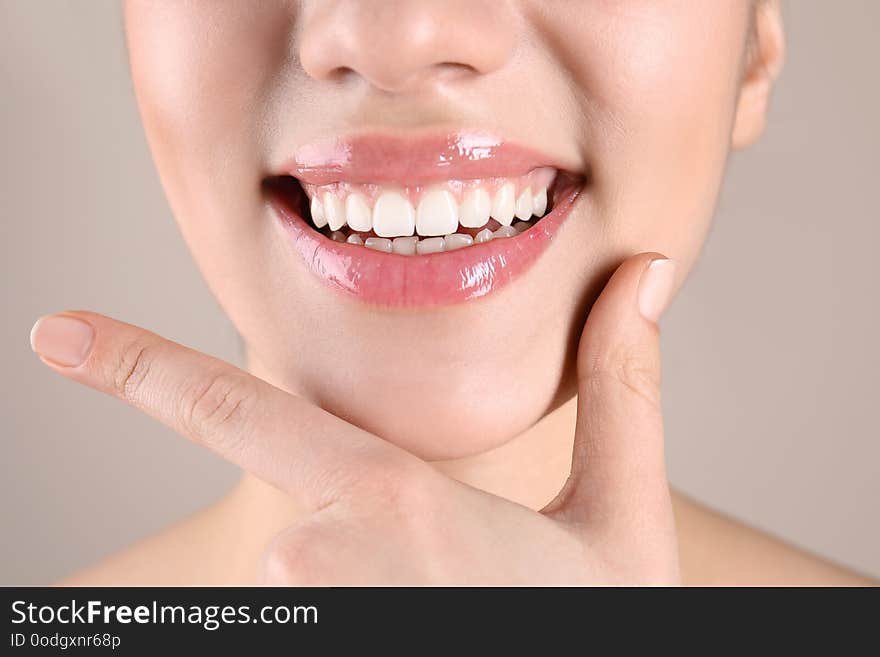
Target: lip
x=436 y=279
x=413 y=160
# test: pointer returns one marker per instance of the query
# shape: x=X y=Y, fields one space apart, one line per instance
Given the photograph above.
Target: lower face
x=278 y=162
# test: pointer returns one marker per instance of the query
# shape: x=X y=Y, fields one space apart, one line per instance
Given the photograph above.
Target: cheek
x=201 y=73
x=660 y=82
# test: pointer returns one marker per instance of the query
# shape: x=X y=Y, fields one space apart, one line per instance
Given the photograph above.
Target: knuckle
x=215 y=411
x=293 y=559
x=630 y=370
x=639 y=375
x=131 y=369
x=279 y=565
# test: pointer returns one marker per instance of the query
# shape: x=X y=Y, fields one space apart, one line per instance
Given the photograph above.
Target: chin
x=437 y=423
x=439 y=392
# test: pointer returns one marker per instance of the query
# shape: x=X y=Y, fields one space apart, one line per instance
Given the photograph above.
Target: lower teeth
x=415 y=245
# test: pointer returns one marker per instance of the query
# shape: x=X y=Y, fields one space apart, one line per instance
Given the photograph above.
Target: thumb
x=618 y=473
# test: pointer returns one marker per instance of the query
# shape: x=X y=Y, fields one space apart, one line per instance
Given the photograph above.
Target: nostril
x=395 y=45
x=340 y=73
x=454 y=70
x=402 y=80
x=465 y=68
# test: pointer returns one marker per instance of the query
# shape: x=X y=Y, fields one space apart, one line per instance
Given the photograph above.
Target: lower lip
x=436 y=279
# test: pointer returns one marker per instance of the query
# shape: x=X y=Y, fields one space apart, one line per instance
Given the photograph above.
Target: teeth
x=483 y=236
x=437 y=213
x=524 y=205
x=475 y=208
x=333 y=211
x=379 y=244
x=357 y=213
x=539 y=203
x=457 y=241
x=503 y=205
x=393 y=216
x=505 y=231
x=404 y=245
x=430 y=245
x=317 y=209
x=444 y=215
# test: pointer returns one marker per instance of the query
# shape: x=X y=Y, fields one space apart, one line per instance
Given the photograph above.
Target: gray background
x=770 y=352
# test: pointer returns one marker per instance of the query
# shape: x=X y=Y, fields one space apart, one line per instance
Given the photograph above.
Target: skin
x=532 y=455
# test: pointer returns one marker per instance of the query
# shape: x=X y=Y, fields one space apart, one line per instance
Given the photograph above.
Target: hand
x=377 y=514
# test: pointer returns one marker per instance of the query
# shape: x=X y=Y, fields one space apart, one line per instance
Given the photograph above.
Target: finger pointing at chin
x=278 y=437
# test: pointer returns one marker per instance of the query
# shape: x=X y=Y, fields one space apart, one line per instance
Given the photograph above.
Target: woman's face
x=635 y=100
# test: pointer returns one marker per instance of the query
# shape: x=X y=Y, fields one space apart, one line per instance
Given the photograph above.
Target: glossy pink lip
x=424 y=280
x=413 y=160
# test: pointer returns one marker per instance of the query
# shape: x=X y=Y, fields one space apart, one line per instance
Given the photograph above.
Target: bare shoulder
x=715 y=550
x=190 y=552
x=718 y=550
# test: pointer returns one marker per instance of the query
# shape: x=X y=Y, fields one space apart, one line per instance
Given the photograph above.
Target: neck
x=530 y=469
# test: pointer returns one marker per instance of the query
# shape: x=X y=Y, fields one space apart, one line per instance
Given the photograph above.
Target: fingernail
x=62 y=339
x=655 y=288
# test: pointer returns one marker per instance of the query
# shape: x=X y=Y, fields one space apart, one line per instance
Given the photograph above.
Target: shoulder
x=186 y=554
x=717 y=550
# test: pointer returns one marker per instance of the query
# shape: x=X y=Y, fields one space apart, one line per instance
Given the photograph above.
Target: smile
x=424 y=222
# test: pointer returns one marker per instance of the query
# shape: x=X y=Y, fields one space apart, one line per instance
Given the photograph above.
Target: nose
x=398 y=44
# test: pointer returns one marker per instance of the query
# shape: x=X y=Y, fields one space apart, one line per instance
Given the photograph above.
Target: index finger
x=278 y=437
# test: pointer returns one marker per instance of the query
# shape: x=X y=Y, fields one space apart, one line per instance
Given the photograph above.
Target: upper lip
x=413 y=159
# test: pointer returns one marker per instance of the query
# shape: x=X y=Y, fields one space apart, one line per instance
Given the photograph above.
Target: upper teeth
x=393 y=215
x=433 y=211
